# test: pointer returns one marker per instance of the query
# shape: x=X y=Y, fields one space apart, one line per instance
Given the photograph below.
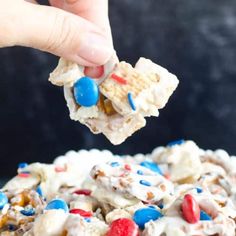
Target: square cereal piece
x=141 y=92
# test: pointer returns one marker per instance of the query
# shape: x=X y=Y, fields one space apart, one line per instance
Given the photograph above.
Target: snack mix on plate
x=114 y=99
x=176 y=190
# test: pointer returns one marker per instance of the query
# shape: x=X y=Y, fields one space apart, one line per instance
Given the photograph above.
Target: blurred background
x=196 y=40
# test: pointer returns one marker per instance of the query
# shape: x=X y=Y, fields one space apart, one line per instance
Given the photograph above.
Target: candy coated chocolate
x=3 y=200
x=22 y=165
x=204 y=216
x=190 y=209
x=176 y=142
x=151 y=166
x=86 y=92
x=57 y=204
x=144 y=215
x=94 y=72
x=123 y=227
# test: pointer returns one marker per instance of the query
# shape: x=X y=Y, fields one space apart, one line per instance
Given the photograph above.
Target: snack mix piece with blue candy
x=115 y=98
x=176 y=190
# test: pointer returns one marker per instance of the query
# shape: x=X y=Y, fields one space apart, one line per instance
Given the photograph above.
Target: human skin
x=77 y=30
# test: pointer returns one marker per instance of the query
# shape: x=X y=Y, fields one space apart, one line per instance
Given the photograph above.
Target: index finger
x=96 y=11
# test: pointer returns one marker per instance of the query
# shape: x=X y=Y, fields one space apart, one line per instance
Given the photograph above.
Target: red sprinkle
x=94 y=72
x=118 y=79
x=85 y=192
x=24 y=175
x=123 y=227
x=127 y=167
x=81 y=212
x=190 y=209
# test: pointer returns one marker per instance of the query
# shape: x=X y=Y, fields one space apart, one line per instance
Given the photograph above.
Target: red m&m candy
x=123 y=227
x=190 y=209
x=94 y=72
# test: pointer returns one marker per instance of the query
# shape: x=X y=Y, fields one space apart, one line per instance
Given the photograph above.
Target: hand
x=82 y=36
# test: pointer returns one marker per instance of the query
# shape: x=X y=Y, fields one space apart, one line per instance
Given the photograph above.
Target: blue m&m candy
x=3 y=200
x=22 y=165
x=204 y=216
x=176 y=142
x=144 y=215
x=86 y=92
x=151 y=166
x=57 y=204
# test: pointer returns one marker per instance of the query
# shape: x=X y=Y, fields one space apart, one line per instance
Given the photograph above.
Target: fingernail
x=95 y=48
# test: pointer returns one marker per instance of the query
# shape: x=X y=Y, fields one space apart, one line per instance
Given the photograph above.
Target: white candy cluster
x=127 y=95
x=118 y=186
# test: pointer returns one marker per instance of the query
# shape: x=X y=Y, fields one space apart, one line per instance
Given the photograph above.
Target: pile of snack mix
x=176 y=190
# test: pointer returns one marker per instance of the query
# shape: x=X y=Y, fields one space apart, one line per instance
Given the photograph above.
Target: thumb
x=64 y=34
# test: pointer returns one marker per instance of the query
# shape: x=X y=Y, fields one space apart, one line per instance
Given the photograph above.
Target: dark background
x=196 y=40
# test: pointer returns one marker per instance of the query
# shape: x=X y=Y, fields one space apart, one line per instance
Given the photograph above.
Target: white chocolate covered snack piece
x=127 y=95
x=172 y=224
x=129 y=182
x=183 y=161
